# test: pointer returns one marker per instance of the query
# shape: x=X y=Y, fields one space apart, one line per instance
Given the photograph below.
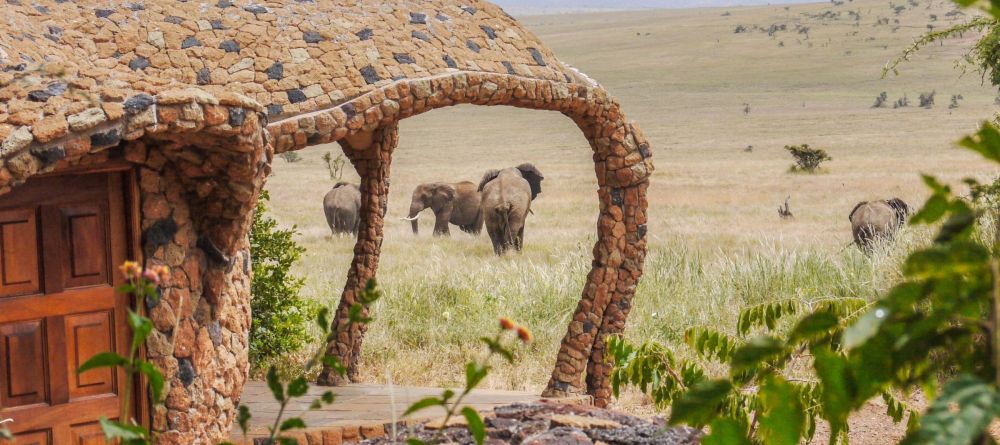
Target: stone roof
x=68 y=66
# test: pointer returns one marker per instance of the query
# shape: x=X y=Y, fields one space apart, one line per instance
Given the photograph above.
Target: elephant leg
x=519 y=241
x=442 y=218
x=497 y=239
x=372 y=163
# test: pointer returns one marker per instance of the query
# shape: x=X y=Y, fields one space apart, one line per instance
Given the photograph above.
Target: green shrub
x=281 y=316
x=807 y=159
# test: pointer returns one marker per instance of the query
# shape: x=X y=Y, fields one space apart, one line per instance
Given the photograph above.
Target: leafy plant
x=335 y=165
x=807 y=159
x=281 y=316
x=475 y=372
x=144 y=286
x=290 y=157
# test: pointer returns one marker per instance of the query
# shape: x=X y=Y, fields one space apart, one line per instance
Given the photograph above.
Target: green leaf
x=323 y=320
x=782 y=418
x=292 y=423
x=328 y=397
x=475 y=373
x=141 y=327
x=813 y=326
x=274 y=383
x=423 y=404
x=476 y=425
x=298 y=387
x=102 y=360
x=960 y=415
x=932 y=211
x=726 y=431
x=243 y=418
x=865 y=328
x=356 y=314
x=835 y=382
x=155 y=378
x=415 y=441
x=118 y=430
x=756 y=351
x=986 y=142
x=332 y=362
x=700 y=404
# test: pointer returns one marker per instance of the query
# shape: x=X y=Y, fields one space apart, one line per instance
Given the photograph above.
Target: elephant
x=507 y=197
x=456 y=203
x=872 y=220
x=342 y=206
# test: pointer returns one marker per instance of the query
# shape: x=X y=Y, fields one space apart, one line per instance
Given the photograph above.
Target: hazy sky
x=630 y=4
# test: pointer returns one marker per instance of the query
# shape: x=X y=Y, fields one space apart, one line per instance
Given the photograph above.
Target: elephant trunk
x=415 y=208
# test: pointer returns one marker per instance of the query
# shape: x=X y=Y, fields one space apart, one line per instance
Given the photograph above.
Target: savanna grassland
x=716 y=241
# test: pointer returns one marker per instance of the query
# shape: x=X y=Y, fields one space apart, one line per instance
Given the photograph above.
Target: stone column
x=371 y=155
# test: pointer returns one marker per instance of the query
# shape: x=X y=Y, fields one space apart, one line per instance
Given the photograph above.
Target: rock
x=17 y=140
x=86 y=119
x=561 y=436
x=571 y=420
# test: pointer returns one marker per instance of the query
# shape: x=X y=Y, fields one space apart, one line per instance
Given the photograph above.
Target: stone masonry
x=199 y=96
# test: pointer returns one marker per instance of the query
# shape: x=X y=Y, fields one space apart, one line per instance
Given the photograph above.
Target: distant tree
x=807 y=159
x=880 y=101
x=927 y=99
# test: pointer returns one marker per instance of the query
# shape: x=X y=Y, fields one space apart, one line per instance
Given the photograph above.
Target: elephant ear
x=534 y=178
x=443 y=192
x=851 y=217
x=487 y=177
x=902 y=210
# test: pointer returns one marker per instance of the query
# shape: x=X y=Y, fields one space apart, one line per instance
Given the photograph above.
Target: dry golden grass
x=716 y=242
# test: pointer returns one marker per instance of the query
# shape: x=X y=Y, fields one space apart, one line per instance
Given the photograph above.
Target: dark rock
x=104 y=140
x=185 y=371
x=215 y=333
x=139 y=63
x=442 y=18
x=403 y=58
x=644 y=151
x=224 y=4
x=295 y=96
x=56 y=88
x=14 y=2
x=588 y=326
x=641 y=231
x=370 y=75
x=138 y=103
x=617 y=197
x=469 y=9
x=276 y=71
x=38 y=96
x=204 y=76
x=537 y=55
x=103 y=13
x=364 y=34
x=214 y=254
x=236 y=117
x=274 y=110
x=230 y=46
x=420 y=36
x=510 y=68
x=55 y=31
x=256 y=9
x=159 y=234
x=217 y=24
x=49 y=155
x=450 y=62
x=190 y=42
x=312 y=37
x=472 y=45
x=559 y=435
x=418 y=18
x=349 y=110
x=42 y=9
x=136 y=7
x=174 y=20
x=489 y=32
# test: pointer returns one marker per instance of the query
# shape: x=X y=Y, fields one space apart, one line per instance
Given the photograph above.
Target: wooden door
x=61 y=239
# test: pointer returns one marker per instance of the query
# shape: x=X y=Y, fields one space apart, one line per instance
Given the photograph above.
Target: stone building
x=145 y=129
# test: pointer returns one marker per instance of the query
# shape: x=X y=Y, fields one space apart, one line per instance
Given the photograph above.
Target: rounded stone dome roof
x=284 y=57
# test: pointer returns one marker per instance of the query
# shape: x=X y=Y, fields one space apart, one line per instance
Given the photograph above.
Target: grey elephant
x=507 y=197
x=455 y=203
x=872 y=220
x=342 y=206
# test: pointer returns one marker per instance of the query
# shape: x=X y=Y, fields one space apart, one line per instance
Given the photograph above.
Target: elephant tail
x=503 y=216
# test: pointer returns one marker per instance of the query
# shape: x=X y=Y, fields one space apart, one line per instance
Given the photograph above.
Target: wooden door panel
x=86 y=250
x=19 y=273
x=23 y=375
x=87 y=434
x=86 y=336
x=32 y=438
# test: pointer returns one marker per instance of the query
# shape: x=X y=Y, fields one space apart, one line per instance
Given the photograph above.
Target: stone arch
x=366 y=128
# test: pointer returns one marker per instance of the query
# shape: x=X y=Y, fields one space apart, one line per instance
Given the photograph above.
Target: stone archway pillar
x=371 y=155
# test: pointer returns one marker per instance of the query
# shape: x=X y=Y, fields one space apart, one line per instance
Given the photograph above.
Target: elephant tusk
x=410 y=219
x=6 y=421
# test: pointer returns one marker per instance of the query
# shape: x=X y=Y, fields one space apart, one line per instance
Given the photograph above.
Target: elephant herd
x=501 y=201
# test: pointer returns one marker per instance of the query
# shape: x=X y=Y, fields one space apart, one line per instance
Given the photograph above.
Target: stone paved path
x=362 y=410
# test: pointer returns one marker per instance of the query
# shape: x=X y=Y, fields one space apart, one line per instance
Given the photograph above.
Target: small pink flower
x=163 y=272
x=130 y=269
x=151 y=276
